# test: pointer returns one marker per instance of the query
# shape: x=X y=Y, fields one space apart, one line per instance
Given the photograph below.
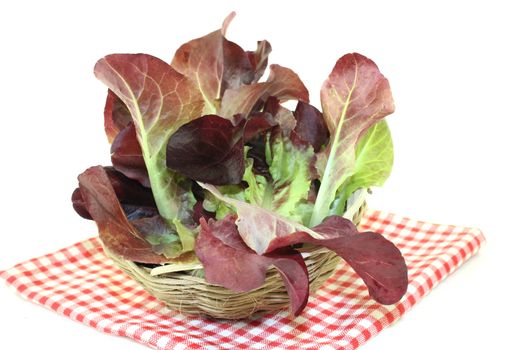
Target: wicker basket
x=188 y=294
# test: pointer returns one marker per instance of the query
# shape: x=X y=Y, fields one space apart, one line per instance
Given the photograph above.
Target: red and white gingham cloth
x=81 y=283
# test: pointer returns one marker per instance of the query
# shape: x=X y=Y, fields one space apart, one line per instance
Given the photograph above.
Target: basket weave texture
x=188 y=294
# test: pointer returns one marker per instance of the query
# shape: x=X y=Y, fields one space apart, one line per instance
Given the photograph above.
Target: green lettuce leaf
x=354 y=97
x=221 y=209
x=373 y=164
x=291 y=174
x=160 y=100
x=374 y=158
x=258 y=226
x=257 y=184
x=289 y=182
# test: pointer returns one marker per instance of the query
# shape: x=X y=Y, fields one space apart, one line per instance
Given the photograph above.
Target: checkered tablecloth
x=82 y=284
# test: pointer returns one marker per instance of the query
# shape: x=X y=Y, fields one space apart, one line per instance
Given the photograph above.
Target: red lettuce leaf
x=230 y=263
x=136 y=199
x=354 y=97
x=208 y=149
x=336 y=226
x=284 y=118
x=258 y=124
x=160 y=100
x=259 y=59
x=283 y=83
x=115 y=231
x=126 y=155
x=129 y=191
x=211 y=149
x=214 y=64
x=271 y=105
x=374 y=258
x=79 y=205
x=294 y=273
x=116 y=116
x=310 y=126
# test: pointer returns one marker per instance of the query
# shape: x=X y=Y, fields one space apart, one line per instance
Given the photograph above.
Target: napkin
x=80 y=282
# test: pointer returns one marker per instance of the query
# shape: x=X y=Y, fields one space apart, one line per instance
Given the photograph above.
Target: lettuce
x=126 y=155
x=374 y=157
x=283 y=83
x=159 y=99
x=209 y=164
x=215 y=64
x=310 y=127
x=219 y=244
x=258 y=226
x=210 y=148
x=374 y=258
x=291 y=176
x=115 y=230
x=354 y=97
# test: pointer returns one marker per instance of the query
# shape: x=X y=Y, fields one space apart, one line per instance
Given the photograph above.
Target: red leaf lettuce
x=207 y=161
x=230 y=263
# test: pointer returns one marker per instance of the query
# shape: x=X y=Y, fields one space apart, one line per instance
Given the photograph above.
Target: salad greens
x=373 y=164
x=160 y=100
x=208 y=166
x=247 y=270
x=354 y=97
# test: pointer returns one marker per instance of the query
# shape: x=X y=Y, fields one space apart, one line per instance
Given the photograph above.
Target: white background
x=457 y=74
